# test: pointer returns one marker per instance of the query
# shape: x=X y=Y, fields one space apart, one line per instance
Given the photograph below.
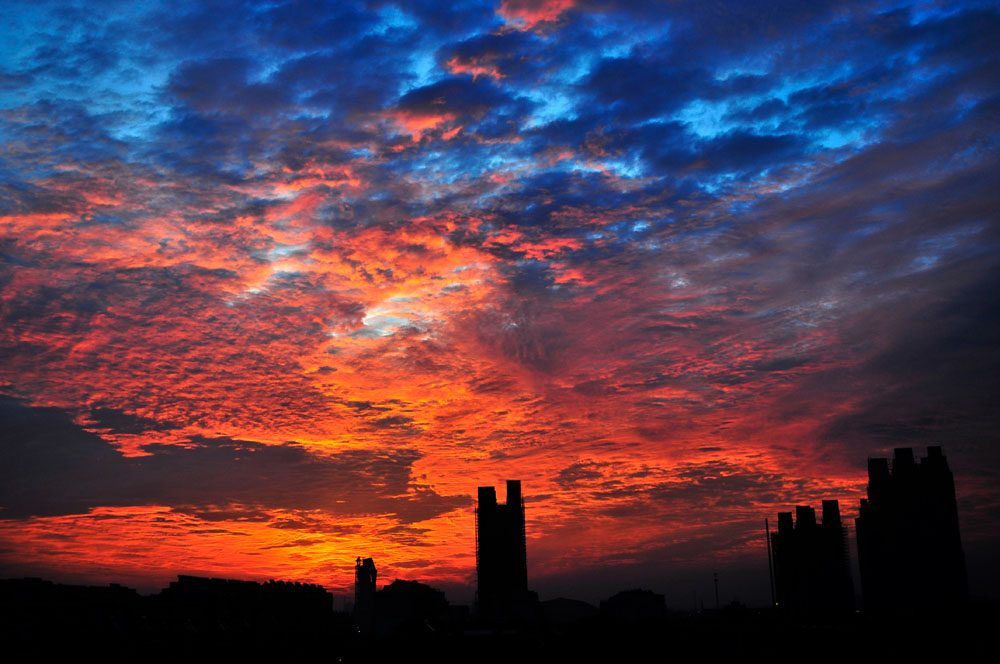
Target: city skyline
x=282 y=284
x=909 y=555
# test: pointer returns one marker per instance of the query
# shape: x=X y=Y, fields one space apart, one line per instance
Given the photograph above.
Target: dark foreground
x=41 y=623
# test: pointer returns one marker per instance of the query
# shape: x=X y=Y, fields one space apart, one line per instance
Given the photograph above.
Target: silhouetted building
x=194 y=619
x=364 y=594
x=27 y=604
x=232 y=605
x=634 y=606
x=812 y=574
x=562 y=611
x=411 y=610
x=909 y=547
x=501 y=555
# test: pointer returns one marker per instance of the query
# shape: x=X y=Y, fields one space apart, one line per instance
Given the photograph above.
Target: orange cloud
x=417 y=124
x=526 y=14
x=475 y=66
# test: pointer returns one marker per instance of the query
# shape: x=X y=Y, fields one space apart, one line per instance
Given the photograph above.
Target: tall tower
x=909 y=546
x=364 y=594
x=811 y=570
x=501 y=554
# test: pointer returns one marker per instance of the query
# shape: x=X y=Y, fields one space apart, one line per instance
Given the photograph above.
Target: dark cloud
x=745 y=152
x=644 y=87
x=466 y=99
x=581 y=471
x=312 y=26
x=330 y=81
x=222 y=86
x=119 y=421
x=936 y=379
x=500 y=55
x=52 y=467
x=701 y=490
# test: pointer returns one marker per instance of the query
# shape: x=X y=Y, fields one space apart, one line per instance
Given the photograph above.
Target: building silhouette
x=501 y=556
x=812 y=574
x=634 y=606
x=411 y=610
x=194 y=619
x=364 y=594
x=236 y=605
x=909 y=546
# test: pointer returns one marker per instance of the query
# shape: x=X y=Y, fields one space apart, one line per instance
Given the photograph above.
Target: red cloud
x=526 y=14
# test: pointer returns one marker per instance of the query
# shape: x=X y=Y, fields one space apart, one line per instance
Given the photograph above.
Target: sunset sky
x=282 y=283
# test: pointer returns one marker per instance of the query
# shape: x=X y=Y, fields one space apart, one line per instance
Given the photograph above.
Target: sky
x=282 y=283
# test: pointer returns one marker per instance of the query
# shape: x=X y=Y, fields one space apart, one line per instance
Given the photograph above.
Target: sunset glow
x=281 y=284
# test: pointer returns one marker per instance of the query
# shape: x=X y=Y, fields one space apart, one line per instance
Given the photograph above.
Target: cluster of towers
x=811 y=565
x=909 y=550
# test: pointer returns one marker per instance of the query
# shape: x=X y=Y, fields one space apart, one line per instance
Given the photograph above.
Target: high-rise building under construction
x=365 y=576
x=501 y=555
x=811 y=566
x=909 y=547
